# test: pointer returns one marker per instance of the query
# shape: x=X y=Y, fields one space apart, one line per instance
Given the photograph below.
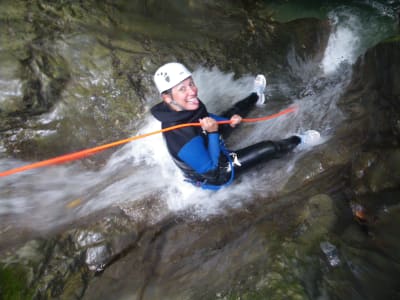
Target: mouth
x=193 y=101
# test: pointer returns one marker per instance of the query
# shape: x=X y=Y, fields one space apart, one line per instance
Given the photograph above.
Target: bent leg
x=264 y=151
x=243 y=107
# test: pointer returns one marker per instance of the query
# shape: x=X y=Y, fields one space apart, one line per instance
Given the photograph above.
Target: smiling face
x=183 y=96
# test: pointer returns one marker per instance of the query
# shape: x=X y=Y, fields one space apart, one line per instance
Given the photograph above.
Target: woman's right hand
x=209 y=124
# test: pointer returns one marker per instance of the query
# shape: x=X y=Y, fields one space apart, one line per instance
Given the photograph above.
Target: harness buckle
x=235 y=162
x=235 y=158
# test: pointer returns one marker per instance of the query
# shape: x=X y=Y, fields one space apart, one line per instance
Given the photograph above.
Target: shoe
x=310 y=138
x=259 y=86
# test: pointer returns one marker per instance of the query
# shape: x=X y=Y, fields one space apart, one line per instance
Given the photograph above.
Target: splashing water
x=138 y=171
x=142 y=171
x=342 y=43
x=354 y=31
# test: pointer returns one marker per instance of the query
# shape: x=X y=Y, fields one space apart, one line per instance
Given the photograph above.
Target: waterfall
x=343 y=42
x=143 y=170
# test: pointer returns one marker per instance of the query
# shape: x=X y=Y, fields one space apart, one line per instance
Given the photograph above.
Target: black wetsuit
x=202 y=156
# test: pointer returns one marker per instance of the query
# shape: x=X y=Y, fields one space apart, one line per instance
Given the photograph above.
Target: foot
x=309 y=138
x=259 y=86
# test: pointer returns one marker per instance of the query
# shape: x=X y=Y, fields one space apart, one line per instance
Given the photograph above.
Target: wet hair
x=167 y=92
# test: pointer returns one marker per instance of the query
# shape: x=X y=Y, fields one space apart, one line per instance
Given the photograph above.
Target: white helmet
x=169 y=75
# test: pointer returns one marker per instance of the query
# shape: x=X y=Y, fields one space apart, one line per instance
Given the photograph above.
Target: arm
x=235 y=119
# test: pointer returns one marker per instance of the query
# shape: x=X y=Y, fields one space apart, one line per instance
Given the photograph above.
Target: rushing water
x=142 y=170
x=141 y=178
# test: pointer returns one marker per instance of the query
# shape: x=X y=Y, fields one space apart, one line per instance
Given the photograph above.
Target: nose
x=192 y=90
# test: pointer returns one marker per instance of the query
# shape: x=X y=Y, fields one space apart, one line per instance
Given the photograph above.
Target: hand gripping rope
x=87 y=152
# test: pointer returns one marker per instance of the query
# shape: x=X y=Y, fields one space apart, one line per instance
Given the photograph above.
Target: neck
x=175 y=105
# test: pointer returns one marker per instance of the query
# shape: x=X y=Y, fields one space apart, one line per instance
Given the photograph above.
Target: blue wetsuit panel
x=197 y=156
x=218 y=118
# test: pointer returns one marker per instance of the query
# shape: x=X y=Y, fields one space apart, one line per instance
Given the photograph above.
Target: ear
x=166 y=98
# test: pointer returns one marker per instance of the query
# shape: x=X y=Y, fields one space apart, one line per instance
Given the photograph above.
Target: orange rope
x=87 y=152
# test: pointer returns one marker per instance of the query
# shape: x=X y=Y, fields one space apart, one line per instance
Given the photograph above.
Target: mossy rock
x=13 y=283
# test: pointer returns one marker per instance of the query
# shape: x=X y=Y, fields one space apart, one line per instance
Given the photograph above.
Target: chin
x=192 y=105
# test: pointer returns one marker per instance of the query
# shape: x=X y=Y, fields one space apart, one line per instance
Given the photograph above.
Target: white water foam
x=142 y=170
x=181 y=196
x=385 y=9
x=343 y=43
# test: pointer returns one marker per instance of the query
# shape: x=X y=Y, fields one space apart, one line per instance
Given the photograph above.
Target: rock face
x=255 y=253
x=372 y=105
x=91 y=64
x=91 y=57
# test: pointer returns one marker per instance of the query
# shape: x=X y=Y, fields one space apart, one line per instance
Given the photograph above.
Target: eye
x=182 y=89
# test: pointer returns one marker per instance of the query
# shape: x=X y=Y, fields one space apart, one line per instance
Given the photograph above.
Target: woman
x=200 y=152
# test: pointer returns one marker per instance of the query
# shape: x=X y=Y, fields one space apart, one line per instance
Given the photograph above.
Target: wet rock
x=373 y=92
x=363 y=252
x=317 y=218
x=61 y=266
x=328 y=160
x=85 y=65
x=331 y=253
x=97 y=257
x=375 y=172
x=89 y=57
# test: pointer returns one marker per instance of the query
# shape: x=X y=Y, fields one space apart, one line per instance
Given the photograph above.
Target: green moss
x=282 y=277
x=393 y=39
x=13 y=283
x=275 y=287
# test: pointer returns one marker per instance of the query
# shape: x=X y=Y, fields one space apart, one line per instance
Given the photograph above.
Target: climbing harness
x=230 y=168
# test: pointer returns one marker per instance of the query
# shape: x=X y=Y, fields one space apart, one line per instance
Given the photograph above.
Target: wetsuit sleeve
x=224 y=129
x=199 y=157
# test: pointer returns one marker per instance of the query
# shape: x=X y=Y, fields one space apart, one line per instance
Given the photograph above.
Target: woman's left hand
x=235 y=120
